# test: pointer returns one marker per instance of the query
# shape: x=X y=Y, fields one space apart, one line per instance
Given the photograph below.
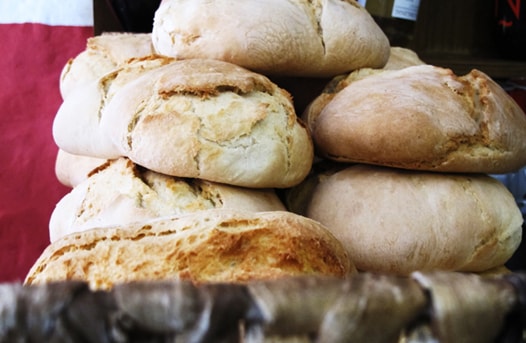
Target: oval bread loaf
x=398 y=221
x=211 y=120
x=77 y=123
x=103 y=54
x=71 y=169
x=421 y=118
x=273 y=37
x=121 y=192
x=215 y=245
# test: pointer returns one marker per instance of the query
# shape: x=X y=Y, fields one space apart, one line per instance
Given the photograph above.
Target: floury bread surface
x=211 y=120
x=77 y=123
x=421 y=118
x=71 y=169
x=274 y=37
x=209 y=246
x=121 y=192
x=399 y=221
x=103 y=54
x=202 y=119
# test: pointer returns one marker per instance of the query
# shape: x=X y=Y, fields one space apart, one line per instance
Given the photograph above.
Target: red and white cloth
x=37 y=39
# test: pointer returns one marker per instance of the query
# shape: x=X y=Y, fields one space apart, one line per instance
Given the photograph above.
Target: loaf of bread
x=71 y=169
x=194 y=118
x=401 y=57
x=76 y=126
x=121 y=192
x=216 y=245
x=211 y=120
x=398 y=221
x=421 y=118
x=103 y=54
x=280 y=38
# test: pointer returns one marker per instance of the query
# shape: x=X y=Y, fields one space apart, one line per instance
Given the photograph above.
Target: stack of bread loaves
x=413 y=149
x=175 y=143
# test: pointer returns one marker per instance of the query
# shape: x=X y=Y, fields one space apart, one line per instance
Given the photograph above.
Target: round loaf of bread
x=71 y=169
x=76 y=126
x=422 y=118
x=103 y=53
x=401 y=57
x=120 y=192
x=211 y=120
x=281 y=38
x=398 y=221
x=215 y=245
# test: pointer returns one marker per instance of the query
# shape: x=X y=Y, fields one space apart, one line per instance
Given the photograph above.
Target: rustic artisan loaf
x=421 y=117
x=401 y=57
x=76 y=126
x=103 y=53
x=120 y=192
x=215 y=245
x=285 y=38
x=398 y=221
x=211 y=120
x=71 y=169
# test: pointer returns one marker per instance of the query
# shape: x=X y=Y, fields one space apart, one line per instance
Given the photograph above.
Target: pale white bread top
x=71 y=169
x=320 y=38
x=120 y=192
x=103 y=53
x=398 y=221
x=420 y=117
x=76 y=126
x=211 y=120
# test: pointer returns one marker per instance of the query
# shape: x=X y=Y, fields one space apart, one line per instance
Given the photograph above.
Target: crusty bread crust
x=401 y=57
x=273 y=37
x=103 y=54
x=209 y=246
x=398 y=221
x=71 y=169
x=211 y=120
x=76 y=126
x=120 y=192
x=421 y=118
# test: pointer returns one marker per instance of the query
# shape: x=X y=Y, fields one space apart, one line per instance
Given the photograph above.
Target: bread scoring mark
x=132 y=124
x=104 y=89
x=314 y=9
x=207 y=91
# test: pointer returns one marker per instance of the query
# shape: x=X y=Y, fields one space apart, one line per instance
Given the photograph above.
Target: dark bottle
x=511 y=28
x=396 y=18
x=135 y=15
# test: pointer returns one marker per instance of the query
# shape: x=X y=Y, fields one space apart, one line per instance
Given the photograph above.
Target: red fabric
x=32 y=57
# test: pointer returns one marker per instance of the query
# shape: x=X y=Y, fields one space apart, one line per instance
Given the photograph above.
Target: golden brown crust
x=214 y=245
x=422 y=118
x=121 y=192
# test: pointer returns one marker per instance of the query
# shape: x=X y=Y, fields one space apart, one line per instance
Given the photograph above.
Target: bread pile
x=414 y=148
x=189 y=158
